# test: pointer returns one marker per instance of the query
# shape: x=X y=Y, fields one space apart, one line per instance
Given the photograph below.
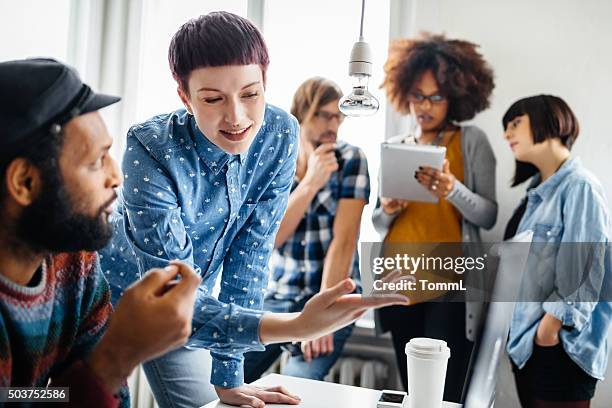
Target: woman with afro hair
x=440 y=83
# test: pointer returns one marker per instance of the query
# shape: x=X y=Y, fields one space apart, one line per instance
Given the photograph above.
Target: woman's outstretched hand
x=326 y=312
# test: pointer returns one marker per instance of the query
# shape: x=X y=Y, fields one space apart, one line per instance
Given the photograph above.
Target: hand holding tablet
x=438 y=182
x=399 y=164
x=392 y=205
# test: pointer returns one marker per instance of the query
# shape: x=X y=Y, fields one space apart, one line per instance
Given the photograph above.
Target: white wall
x=560 y=47
x=34 y=29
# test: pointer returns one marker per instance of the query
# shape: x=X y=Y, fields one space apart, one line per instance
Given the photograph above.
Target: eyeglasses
x=328 y=116
x=415 y=97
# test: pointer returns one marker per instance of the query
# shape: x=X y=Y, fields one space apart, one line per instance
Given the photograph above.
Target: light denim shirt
x=569 y=207
x=185 y=198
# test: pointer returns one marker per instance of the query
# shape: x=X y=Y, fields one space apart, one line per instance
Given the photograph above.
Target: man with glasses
x=316 y=245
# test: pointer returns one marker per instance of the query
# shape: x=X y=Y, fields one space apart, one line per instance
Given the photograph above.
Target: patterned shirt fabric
x=185 y=198
x=47 y=330
x=297 y=265
x=569 y=207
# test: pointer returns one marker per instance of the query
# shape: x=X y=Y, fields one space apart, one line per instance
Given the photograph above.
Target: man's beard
x=324 y=135
x=51 y=223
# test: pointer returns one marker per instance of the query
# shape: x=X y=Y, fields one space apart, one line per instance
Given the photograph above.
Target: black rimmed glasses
x=435 y=99
x=328 y=116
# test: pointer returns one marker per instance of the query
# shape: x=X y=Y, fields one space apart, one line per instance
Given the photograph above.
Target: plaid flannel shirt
x=297 y=266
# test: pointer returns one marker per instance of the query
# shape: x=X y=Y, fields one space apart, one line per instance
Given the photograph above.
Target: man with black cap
x=57 y=187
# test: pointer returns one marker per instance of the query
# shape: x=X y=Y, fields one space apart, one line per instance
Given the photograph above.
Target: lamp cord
x=361 y=25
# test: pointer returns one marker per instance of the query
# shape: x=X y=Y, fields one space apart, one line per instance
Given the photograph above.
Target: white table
x=321 y=394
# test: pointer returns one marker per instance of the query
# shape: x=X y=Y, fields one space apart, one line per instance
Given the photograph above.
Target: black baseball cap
x=41 y=93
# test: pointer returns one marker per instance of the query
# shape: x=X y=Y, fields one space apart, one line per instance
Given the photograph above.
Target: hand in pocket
x=547 y=334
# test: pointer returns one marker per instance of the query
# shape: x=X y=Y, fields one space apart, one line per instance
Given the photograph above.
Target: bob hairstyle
x=213 y=40
x=549 y=117
x=312 y=95
x=462 y=74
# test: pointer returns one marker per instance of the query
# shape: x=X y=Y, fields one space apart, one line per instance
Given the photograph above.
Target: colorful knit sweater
x=46 y=331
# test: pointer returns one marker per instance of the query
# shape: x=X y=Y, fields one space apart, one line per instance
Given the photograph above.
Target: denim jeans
x=181 y=378
x=257 y=362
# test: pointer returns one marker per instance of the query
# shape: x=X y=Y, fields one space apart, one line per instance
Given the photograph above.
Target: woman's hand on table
x=255 y=396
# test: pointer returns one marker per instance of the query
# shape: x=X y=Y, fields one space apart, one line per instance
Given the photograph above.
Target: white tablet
x=399 y=162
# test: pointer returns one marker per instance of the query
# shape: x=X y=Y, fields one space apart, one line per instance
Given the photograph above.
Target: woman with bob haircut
x=440 y=83
x=558 y=341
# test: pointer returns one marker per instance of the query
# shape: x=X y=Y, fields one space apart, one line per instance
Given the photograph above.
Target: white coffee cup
x=427 y=361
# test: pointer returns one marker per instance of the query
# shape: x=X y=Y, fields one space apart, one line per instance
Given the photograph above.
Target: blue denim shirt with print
x=567 y=213
x=185 y=198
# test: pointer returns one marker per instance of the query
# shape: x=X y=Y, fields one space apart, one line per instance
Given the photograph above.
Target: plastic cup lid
x=427 y=348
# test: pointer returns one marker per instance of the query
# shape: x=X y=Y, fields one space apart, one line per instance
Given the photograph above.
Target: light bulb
x=360 y=102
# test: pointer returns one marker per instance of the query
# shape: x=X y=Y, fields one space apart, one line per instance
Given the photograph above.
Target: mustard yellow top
x=432 y=222
x=421 y=224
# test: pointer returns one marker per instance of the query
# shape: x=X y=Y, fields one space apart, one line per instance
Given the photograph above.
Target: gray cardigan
x=475 y=200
